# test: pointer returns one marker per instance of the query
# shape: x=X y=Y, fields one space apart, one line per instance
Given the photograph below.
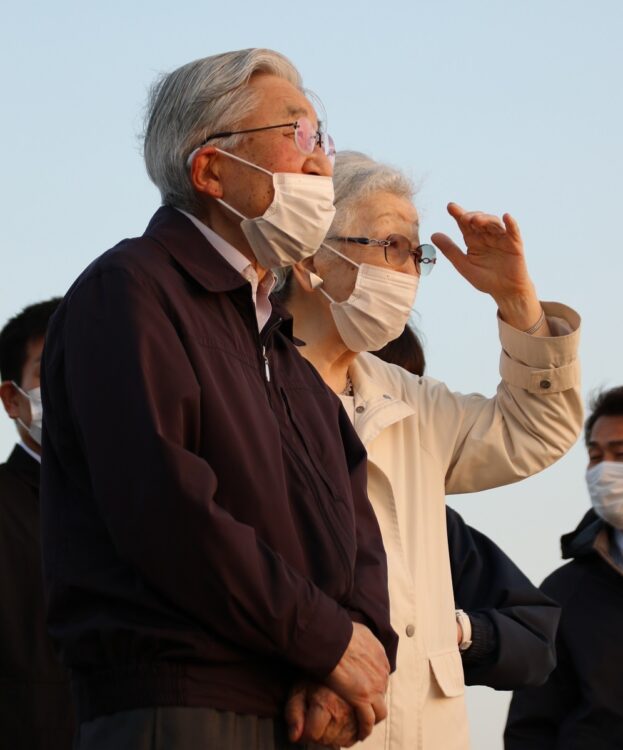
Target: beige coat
x=424 y=441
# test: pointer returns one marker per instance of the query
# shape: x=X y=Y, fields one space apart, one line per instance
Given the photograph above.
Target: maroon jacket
x=206 y=531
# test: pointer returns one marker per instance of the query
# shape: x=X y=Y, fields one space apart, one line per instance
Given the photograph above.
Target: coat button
x=360 y=409
x=410 y=630
x=545 y=384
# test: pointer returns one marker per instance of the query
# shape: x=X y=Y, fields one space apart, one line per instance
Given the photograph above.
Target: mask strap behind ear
x=244 y=161
x=337 y=252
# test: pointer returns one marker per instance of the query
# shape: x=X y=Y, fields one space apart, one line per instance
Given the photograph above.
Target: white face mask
x=378 y=308
x=294 y=225
x=605 y=486
x=36 y=413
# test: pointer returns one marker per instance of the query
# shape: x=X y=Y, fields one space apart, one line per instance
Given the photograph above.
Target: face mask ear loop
x=328 y=296
x=337 y=252
x=231 y=208
x=244 y=161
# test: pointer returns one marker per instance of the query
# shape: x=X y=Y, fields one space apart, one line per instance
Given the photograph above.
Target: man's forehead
x=607 y=429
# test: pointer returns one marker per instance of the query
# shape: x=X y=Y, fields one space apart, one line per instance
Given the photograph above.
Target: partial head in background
x=21 y=346
x=406 y=351
x=604 y=441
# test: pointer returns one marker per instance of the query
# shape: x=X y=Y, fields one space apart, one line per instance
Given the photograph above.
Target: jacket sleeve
x=369 y=603
x=135 y=401
x=532 y=421
x=536 y=714
x=487 y=584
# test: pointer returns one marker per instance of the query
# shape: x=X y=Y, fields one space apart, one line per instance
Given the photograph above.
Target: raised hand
x=494 y=263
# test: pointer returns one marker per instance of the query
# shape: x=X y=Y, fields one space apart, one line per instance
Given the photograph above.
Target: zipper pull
x=266 y=367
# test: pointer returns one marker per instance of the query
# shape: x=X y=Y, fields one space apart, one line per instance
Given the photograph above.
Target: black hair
x=405 y=351
x=604 y=404
x=28 y=325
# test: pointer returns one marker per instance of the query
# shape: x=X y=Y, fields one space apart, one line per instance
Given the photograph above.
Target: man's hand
x=361 y=678
x=494 y=263
x=314 y=713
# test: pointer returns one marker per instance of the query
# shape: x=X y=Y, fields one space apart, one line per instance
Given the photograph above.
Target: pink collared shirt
x=260 y=290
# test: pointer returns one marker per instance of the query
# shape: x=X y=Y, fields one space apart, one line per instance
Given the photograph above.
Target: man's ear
x=205 y=172
x=10 y=399
x=305 y=273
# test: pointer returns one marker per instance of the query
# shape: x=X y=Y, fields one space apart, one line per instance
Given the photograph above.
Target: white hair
x=206 y=96
x=355 y=178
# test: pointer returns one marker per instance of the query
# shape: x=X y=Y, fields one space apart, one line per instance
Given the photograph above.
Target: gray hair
x=203 y=97
x=355 y=178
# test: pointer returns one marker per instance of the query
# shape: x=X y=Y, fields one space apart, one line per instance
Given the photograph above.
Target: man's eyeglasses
x=306 y=136
x=398 y=249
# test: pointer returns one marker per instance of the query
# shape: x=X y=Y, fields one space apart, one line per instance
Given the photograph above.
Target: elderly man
x=580 y=707
x=207 y=536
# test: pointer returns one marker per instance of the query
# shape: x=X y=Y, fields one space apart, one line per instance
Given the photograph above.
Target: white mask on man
x=36 y=413
x=377 y=309
x=294 y=225
x=605 y=486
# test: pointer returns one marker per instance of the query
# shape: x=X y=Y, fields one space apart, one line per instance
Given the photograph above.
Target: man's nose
x=318 y=163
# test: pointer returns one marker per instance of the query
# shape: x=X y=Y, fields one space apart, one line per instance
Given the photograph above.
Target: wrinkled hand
x=314 y=713
x=361 y=678
x=494 y=263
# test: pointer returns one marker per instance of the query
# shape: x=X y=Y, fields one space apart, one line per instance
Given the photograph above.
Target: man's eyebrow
x=295 y=111
x=610 y=443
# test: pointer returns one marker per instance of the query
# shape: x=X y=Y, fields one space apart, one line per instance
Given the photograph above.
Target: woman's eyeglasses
x=398 y=249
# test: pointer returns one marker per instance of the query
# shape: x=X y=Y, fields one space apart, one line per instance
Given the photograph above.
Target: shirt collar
x=30 y=451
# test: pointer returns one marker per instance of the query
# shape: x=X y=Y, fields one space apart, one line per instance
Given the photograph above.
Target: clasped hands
x=346 y=707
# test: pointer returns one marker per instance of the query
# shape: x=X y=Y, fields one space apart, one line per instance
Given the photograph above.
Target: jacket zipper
x=325 y=516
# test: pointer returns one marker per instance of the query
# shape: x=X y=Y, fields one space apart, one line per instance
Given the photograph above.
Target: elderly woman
x=423 y=440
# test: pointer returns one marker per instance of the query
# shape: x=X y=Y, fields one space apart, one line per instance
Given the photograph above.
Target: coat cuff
x=542 y=364
x=484 y=640
x=318 y=645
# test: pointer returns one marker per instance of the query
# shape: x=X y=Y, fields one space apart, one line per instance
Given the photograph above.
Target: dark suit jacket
x=35 y=704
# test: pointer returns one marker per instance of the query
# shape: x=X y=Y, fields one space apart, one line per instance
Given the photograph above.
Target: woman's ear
x=205 y=173
x=305 y=273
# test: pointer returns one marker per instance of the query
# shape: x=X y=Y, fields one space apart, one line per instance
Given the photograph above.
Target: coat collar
x=193 y=252
x=185 y=243
x=25 y=467
x=378 y=402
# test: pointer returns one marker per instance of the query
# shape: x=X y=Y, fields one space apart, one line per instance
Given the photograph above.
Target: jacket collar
x=592 y=536
x=378 y=405
x=25 y=467
x=194 y=253
x=184 y=242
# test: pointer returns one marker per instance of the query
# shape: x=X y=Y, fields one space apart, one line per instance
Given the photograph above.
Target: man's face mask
x=36 y=413
x=605 y=486
x=294 y=225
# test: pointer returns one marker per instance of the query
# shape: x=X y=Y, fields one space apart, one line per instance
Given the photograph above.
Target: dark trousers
x=175 y=728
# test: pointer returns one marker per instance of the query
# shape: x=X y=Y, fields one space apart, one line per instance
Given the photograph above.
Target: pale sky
x=500 y=105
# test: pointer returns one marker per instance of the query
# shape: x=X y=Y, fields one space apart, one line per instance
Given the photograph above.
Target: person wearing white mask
x=207 y=536
x=580 y=707
x=423 y=440
x=35 y=699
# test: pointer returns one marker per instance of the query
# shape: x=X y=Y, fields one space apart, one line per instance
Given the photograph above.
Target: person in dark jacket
x=512 y=624
x=207 y=536
x=35 y=700
x=580 y=707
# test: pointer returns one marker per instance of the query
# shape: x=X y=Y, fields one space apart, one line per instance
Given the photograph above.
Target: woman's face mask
x=377 y=309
